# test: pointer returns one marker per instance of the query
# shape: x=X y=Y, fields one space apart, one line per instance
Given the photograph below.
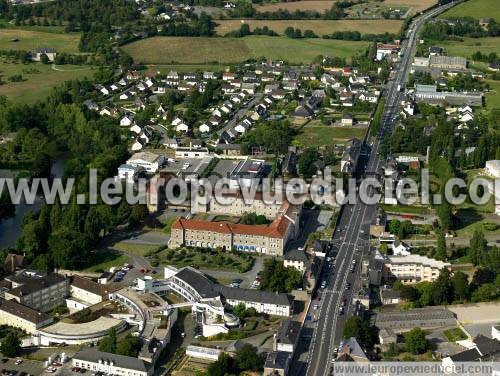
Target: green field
x=30 y=40
x=476 y=9
x=493 y=97
x=165 y=50
x=315 y=136
x=320 y=27
x=470 y=45
x=39 y=79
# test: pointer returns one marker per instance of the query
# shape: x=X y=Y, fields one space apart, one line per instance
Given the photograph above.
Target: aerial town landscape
x=237 y=146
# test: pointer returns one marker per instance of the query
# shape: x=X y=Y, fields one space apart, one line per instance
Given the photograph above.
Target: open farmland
x=38 y=79
x=468 y=46
x=292 y=6
x=320 y=27
x=165 y=50
x=30 y=40
x=415 y=5
x=476 y=9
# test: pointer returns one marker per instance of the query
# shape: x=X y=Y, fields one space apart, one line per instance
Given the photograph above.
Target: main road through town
x=351 y=238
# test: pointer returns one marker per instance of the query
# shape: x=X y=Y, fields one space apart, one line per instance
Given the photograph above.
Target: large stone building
x=22 y=317
x=413 y=268
x=42 y=293
x=270 y=240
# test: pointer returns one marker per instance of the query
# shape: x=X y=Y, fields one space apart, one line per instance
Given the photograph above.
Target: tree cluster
x=275 y=277
x=245 y=359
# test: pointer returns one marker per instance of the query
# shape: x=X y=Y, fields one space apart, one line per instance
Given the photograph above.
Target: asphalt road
x=351 y=238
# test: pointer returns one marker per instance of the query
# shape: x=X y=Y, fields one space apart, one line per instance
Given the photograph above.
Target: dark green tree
x=415 y=341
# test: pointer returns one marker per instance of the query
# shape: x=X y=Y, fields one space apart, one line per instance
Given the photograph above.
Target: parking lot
x=27 y=367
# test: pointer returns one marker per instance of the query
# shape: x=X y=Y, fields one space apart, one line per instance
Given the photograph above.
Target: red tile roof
x=277 y=229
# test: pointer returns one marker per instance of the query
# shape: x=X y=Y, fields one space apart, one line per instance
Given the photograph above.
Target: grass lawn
x=137 y=248
x=455 y=334
x=423 y=210
x=315 y=136
x=30 y=40
x=476 y=9
x=320 y=27
x=167 y=224
x=468 y=46
x=207 y=259
x=493 y=97
x=165 y=68
x=103 y=260
x=165 y=50
x=39 y=79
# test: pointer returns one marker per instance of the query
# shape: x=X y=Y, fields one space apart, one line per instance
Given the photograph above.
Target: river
x=10 y=228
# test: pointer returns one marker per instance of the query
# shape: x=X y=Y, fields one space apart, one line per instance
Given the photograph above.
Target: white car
x=18 y=361
x=315 y=307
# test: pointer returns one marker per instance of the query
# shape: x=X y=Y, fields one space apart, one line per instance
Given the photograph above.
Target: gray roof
x=353 y=348
x=277 y=360
x=422 y=317
x=29 y=284
x=467 y=356
x=288 y=332
x=487 y=346
x=198 y=281
x=91 y=354
x=296 y=255
x=26 y=313
x=251 y=295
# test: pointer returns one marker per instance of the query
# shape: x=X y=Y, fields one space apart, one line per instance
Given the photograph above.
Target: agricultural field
x=319 y=27
x=292 y=6
x=38 y=79
x=476 y=9
x=30 y=40
x=165 y=50
x=315 y=135
x=468 y=46
x=414 y=5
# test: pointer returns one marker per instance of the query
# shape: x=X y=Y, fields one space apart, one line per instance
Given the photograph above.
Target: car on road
x=347 y=286
x=18 y=361
x=315 y=307
x=341 y=310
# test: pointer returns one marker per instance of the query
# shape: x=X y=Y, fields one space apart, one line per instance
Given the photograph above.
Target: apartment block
x=42 y=293
x=413 y=268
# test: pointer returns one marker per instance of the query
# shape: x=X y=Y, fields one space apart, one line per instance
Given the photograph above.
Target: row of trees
x=245 y=9
x=453 y=27
x=296 y=33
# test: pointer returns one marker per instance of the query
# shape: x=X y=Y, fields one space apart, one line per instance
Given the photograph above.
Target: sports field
x=38 y=79
x=320 y=27
x=166 y=50
x=30 y=40
x=476 y=9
